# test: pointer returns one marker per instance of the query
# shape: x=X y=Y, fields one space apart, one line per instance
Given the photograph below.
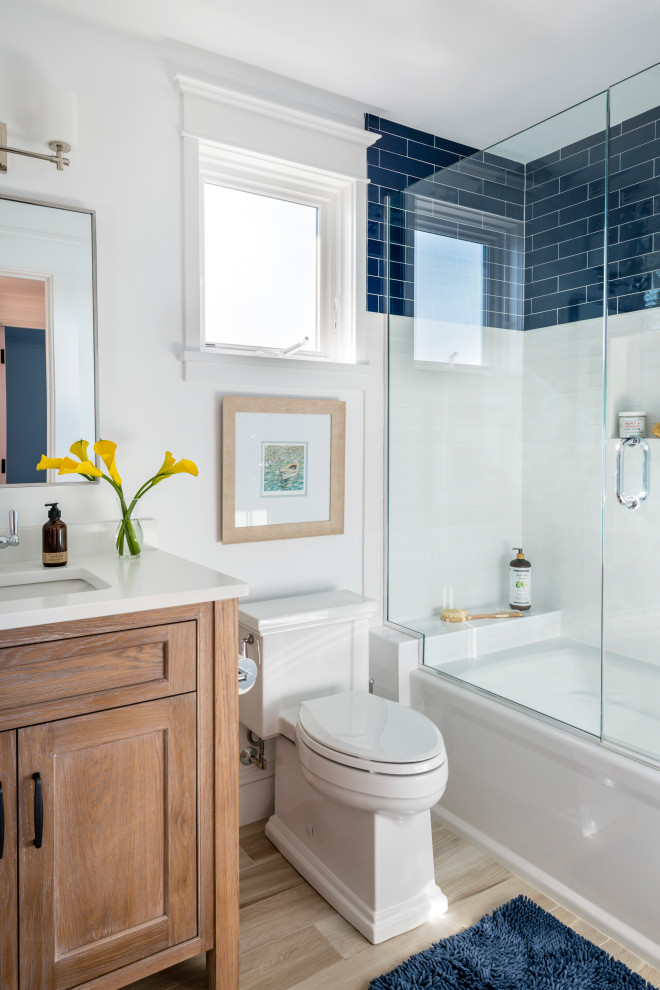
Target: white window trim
x=255 y=145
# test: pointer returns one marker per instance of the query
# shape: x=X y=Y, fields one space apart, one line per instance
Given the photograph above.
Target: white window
x=275 y=216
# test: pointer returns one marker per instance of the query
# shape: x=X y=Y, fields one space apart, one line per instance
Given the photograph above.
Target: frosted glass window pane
x=449 y=292
x=260 y=266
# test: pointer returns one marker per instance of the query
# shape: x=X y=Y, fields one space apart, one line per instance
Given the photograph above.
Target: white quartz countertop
x=155 y=580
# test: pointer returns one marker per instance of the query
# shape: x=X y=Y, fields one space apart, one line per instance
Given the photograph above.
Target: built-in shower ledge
x=445 y=642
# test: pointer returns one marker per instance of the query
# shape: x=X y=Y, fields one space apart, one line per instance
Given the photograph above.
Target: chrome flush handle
x=632 y=501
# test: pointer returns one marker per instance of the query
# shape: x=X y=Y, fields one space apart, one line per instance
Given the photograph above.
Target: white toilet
x=355 y=775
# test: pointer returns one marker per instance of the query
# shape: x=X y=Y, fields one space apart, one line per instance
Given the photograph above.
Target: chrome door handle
x=632 y=501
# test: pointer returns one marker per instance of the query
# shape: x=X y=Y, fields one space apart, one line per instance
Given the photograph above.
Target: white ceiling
x=475 y=71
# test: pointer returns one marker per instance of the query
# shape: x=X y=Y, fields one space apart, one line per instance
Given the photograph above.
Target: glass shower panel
x=631 y=619
x=496 y=336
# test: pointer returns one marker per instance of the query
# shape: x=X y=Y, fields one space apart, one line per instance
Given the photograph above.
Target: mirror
x=47 y=336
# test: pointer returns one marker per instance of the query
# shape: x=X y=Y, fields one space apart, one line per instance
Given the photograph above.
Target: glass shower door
x=631 y=616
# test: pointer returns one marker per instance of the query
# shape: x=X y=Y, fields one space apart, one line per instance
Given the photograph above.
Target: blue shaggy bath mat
x=518 y=947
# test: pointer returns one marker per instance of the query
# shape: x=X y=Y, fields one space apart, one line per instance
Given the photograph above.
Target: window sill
x=243 y=370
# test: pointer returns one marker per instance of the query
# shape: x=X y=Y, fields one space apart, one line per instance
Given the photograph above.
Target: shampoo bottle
x=520 y=582
x=53 y=539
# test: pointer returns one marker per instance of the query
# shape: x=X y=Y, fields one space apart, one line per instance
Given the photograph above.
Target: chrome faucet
x=12 y=540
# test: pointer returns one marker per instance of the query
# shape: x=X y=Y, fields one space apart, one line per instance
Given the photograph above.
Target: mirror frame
x=92 y=216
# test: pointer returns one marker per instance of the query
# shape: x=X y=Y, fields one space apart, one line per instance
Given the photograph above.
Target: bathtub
x=578 y=820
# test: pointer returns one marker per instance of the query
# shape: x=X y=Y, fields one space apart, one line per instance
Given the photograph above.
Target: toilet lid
x=361 y=725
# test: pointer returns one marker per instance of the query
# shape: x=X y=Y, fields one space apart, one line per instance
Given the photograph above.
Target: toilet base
x=377 y=926
x=375 y=869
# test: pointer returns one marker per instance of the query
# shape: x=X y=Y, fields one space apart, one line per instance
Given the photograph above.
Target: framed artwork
x=282 y=468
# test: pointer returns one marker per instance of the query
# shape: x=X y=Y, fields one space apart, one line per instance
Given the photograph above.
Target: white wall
x=128 y=169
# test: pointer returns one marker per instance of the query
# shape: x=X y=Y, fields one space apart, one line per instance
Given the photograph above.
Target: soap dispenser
x=53 y=538
x=520 y=582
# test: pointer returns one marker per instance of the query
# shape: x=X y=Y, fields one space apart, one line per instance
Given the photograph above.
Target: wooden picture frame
x=283 y=468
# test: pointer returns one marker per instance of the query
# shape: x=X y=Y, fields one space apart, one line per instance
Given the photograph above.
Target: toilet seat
x=359 y=730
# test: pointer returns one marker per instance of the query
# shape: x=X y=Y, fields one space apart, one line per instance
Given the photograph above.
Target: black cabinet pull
x=38 y=811
x=2 y=822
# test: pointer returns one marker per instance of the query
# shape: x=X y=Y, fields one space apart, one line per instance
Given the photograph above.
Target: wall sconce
x=60 y=116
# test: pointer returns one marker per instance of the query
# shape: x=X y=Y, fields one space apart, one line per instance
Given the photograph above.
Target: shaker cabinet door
x=8 y=864
x=107 y=833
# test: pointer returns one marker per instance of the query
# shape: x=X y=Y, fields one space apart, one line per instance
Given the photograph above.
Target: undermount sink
x=45 y=584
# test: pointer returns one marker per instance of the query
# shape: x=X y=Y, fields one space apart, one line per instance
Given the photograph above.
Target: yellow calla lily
x=49 y=463
x=79 y=449
x=106 y=451
x=69 y=466
x=172 y=466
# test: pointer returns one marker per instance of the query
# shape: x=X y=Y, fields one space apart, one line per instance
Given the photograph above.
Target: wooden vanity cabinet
x=120 y=799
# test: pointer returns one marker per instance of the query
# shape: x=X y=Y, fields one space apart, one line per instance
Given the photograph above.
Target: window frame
x=332 y=194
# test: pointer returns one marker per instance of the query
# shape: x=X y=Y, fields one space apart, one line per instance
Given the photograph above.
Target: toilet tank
x=305 y=647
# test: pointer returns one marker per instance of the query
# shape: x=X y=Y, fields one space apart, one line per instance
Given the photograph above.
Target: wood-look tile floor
x=291 y=938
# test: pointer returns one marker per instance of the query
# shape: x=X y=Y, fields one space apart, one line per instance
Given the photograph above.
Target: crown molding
x=189 y=86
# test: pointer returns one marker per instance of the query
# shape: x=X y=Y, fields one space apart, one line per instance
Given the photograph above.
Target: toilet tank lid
x=279 y=614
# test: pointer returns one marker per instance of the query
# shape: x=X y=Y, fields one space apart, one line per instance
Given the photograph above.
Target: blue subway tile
x=579 y=311
x=637 y=301
x=373 y=267
x=631 y=176
x=557 y=300
x=397 y=306
x=462 y=150
x=404 y=165
x=398 y=252
x=632 y=139
x=567 y=232
x=375 y=286
x=583 y=276
x=390 y=142
x=560 y=266
x=542 y=191
x=542 y=287
x=375 y=249
x=597 y=154
x=576 y=245
x=376 y=211
x=391 y=180
x=540 y=256
x=631 y=248
x=373 y=156
x=640 y=228
x=588 y=175
x=391 y=127
x=632 y=211
x=371 y=120
x=437 y=157
x=515 y=211
x=560 y=201
x=596 y=292
x=534 y=321
x=534 y=225
x=596 y=140
x=509 y=164
x=588 y=208
x=374 y=193
x=641 y=154
x=562 y=167
x=644 y=262
x=640 y=119
x=539 y=163
x=596 y=223
x=630 y=283
x=375 y=231
x=595 y=257
x=483 y=203
x=372 y=304
x=499 y=190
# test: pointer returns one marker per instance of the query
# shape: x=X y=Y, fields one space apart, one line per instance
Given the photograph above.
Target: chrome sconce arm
x=57 y=159
x=60 y=120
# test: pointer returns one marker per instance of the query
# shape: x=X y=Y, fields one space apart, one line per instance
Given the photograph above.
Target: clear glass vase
x=128 y=538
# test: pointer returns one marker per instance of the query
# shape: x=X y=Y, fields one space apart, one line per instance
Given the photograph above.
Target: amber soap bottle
x=53 y=539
